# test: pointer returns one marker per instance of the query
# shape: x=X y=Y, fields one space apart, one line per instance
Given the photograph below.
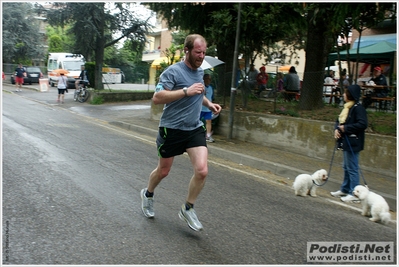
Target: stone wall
x=121 y=96
x=307 y=137
x=310 y=138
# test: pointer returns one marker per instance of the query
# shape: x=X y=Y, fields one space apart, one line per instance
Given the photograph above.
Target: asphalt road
x=71 y=186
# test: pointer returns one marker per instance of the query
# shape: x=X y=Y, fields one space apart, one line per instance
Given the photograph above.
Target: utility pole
x=233 y=90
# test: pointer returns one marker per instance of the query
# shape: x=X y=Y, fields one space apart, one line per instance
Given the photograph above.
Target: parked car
x=33 y=74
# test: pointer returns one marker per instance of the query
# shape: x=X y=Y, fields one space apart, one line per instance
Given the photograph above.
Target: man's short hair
x=190 y=39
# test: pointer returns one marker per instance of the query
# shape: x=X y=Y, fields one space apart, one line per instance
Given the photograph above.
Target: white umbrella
x=210 y=62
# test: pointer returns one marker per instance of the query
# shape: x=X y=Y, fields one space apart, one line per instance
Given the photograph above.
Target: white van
x=66 y=61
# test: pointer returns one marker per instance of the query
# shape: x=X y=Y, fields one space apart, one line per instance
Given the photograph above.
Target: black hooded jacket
x=355 y=124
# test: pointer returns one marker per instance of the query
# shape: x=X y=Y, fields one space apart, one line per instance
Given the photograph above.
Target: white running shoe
x=210 y=139
x=190 y=217
x=338 y=193
x=147 y=204
x=349 y=198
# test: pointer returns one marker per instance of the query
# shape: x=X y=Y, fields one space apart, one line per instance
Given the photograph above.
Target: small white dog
x=373 y=204
x=303 y=183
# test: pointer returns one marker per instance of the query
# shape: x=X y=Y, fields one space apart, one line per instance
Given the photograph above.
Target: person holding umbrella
x=62 y=87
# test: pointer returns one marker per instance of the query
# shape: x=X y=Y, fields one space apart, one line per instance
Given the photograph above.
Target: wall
x=306 y=137
x=121 y=96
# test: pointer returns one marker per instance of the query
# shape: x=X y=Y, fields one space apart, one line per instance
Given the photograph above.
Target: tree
x=136 y=70
x=318 y=17
x=324 y=24
x=97 y=26
x=21 y=37
x=60 y=39
x=263 y=24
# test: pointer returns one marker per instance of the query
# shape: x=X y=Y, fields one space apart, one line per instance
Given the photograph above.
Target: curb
x=253 y=162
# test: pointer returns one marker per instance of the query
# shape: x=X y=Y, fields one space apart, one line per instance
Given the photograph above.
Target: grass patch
x=97 y=100
x=382 y=122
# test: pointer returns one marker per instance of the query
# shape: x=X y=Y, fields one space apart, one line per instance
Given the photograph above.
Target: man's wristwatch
x=185 y=91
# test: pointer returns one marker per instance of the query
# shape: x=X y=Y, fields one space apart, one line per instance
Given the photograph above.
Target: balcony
x=150 y=55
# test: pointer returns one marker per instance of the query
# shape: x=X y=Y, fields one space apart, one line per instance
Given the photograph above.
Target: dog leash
x=329 y=171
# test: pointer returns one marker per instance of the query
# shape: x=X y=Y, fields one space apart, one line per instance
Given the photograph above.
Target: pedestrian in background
x=280 y=82
x=380 y=79
x=20 y=73
x=62 y=87
x=291 y=83
x=206 y=113
x=377 y=79
x=252 y=74
x=181 y=90
x=262 y=79
x=83 y=77
x=350 y=134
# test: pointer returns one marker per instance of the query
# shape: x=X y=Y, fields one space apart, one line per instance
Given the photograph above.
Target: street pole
x=233 y=91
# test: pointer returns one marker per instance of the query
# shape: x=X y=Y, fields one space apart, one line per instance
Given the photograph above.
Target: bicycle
x=81 y=94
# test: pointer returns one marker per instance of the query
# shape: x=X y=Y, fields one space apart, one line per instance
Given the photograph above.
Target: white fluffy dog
x=373 y=204
x=303 y=183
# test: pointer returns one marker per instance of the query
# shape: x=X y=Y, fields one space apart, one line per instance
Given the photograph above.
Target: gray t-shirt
x=291 y=82
x=252 y=75
x=184 y=113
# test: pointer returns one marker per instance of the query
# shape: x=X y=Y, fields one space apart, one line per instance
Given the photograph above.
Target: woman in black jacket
x=350 y=132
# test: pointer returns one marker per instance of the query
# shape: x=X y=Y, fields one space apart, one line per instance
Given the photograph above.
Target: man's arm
x=215 y=108
x=164 y=95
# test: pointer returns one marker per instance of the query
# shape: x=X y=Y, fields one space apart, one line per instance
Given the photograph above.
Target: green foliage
x=289 y=112
x=138 y=72
x=382 y=122
x=128 y=60
x=97 y=25
x=298 y=25
x=55 y=44
x=60 y=39
x=179 y=37
x=97 y=100
x=262 y=24
x=20 y=33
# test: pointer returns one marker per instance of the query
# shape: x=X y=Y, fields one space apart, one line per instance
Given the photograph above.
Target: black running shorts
x=173 y=142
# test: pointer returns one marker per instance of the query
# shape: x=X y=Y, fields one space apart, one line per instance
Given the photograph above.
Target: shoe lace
x=192 y=216
x=149 y=204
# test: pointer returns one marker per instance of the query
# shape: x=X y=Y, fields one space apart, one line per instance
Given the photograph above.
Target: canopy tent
x=376 y=54
x=373 y=39
x=379 y=53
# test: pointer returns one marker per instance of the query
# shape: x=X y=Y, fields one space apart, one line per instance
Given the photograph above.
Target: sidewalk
x=282 y=163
